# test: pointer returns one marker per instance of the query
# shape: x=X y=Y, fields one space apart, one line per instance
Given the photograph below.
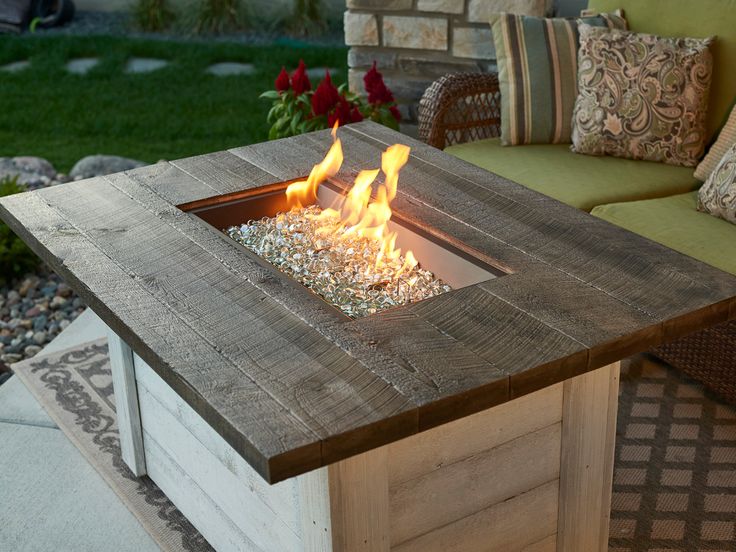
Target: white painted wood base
x=531 y=475
x=126 y=404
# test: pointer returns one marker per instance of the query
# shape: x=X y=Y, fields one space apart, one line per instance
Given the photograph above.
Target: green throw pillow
x=537 y=73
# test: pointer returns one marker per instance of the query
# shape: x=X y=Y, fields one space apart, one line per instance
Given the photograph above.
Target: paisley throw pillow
x=718 y=195
x=642 y=96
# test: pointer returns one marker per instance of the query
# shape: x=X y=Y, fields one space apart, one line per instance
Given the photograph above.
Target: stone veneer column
x=415 y=42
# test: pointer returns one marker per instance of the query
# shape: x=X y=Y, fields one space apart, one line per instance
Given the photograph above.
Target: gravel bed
x=33 y=311
x=121 y=24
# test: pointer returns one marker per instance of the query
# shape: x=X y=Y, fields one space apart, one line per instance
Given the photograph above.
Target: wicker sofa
x=461 y=113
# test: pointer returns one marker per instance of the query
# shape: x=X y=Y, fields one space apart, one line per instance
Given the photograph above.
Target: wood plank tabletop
x=290 y=385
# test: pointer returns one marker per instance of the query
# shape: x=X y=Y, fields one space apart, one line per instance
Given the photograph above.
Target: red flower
x=300 y=80
x=378 y=93
x=395 y=112
x=341 y=113
x=325 y=97
x=282 y=81
x=355 y=115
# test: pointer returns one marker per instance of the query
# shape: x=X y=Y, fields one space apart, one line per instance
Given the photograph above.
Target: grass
x=171 y=113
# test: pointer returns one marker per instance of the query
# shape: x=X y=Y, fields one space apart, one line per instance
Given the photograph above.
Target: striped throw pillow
x=537 y=73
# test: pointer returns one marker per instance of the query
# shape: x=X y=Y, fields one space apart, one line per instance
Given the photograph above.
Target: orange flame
x=304 y=192
x=359 y=215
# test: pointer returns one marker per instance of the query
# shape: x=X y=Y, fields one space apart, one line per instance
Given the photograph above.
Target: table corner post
x=345 y=506
x=590 y=407
x=126 y=404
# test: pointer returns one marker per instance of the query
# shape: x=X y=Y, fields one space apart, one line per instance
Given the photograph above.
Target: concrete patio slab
x=17 y=406
x=52 y=499
x=81 y=66
x=229 y=68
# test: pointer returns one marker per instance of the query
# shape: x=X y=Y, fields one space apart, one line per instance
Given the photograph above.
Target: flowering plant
x=297 y=108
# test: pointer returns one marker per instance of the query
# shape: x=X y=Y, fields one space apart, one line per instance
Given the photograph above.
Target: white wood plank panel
x=448 y=443
x=588 y=432
x=359 y=503
x=235 y=498
x=504 y=527
x=126 y=404
x=199 y=509
x=278 y=498
x=463 y=488
x=314 y=510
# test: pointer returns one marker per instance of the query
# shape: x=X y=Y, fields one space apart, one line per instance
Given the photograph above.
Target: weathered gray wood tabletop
x=293 y=387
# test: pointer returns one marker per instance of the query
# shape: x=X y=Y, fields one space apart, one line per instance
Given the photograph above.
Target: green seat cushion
x=582 y=181
x=675 y=222
x=696 y=19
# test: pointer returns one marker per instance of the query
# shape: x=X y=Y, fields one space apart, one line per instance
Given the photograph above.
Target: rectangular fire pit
x=355 y=273
x=479 y=418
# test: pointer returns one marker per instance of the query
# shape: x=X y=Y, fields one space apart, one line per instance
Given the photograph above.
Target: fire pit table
x=348 y=412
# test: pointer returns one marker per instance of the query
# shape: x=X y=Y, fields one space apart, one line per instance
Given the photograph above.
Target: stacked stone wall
x=414 y=42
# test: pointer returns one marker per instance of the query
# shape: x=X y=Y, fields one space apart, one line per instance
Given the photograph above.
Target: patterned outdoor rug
x=675 y=474
x=674 y=482
x=75 y=388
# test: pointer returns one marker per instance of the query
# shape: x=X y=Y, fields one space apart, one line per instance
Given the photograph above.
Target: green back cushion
x=691 y=18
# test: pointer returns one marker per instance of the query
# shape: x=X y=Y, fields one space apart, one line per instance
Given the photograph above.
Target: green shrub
x=153 y=15
x=16 y=259
x=219 y=16
x=307 y=17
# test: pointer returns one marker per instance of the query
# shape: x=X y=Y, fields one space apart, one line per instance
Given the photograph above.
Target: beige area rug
x=674 y=482
x=75 y=388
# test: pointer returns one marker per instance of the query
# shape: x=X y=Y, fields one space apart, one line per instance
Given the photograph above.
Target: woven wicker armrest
x=460 y=107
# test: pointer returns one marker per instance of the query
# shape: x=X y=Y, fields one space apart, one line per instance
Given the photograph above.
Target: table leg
x=590 y=404
x=126 y=404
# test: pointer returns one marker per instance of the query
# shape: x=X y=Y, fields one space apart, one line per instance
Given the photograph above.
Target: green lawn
x=173 y=112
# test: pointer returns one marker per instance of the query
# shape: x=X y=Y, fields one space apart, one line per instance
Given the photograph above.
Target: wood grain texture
x=198 y=508
x=267 y=521
x=588 y=433
x=225 y=172
x=259 y=433
x=257 y=335
x=447 y=444
x=277 y=498
x=359 y=503
x=504 y=526
x=173 y=184
x=126 y=404
x=223 y=328
x=461 y=489
x=548 y=544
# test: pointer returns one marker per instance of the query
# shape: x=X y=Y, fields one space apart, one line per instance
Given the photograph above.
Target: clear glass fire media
x=314 y=248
